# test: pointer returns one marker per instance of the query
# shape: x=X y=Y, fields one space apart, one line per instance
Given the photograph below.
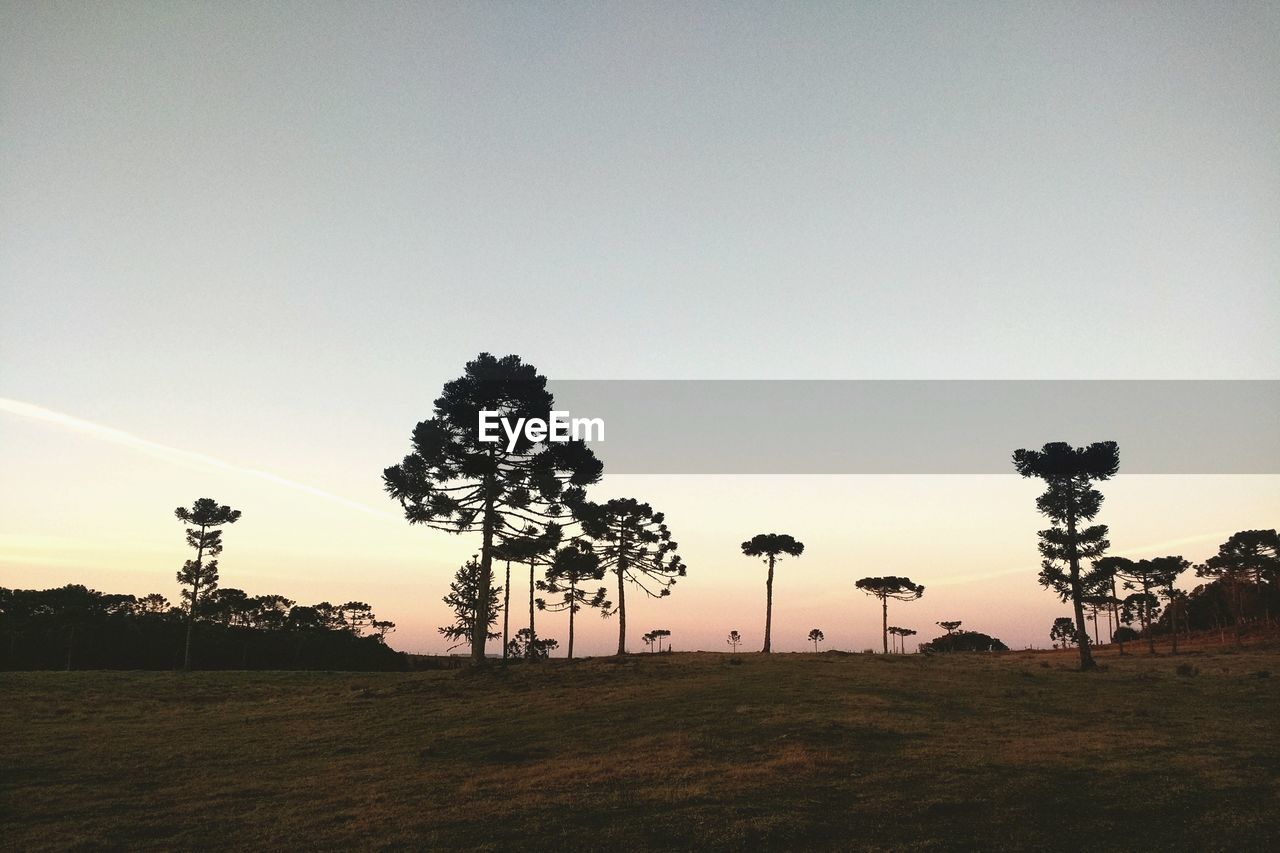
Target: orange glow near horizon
x=96 y=507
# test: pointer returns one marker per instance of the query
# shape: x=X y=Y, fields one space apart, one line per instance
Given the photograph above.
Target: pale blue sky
x=270 y=231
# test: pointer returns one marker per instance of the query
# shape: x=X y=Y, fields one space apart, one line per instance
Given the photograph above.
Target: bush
x=963 y=641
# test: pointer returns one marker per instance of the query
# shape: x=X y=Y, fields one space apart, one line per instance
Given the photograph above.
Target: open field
x=691 y=751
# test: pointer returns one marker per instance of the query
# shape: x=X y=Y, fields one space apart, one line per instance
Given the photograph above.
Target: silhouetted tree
x=949 y=627
x=658 y=635
x=1063 y=631
x=204 y=520
x=456 y=482
x=1248 y=557
x=635 y=545
x=771 y=546
x=816 y=636
x=1068 y=500
x=901 y=634
x=1147 y=577
x=885 y=588
x=463 y=599
x=963 y=641
x=525 y=645
x=574 y=564
x=735 y=639
x=648 y=639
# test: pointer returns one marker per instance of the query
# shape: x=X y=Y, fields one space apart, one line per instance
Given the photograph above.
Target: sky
x=242 y=246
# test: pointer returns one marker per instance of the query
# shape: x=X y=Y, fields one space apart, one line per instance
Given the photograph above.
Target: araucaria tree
x=1063 y=631
x=899 y=589
x=453 y=480
x=949 y=627
x=1248 y=557
x=1148 y=579
x=735 y=639
x=1068 y=501
x=633 y=543
x=203 y=520
x=574 y=564
x=816 y=636
x=770 y=547
x=464 y=600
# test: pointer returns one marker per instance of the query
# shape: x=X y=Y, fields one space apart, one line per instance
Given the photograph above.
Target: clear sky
x=268 y=233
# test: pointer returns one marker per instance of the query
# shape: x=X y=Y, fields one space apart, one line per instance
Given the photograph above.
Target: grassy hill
x=690 y=751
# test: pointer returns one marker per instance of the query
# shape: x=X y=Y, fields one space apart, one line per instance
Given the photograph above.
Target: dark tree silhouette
x=816 y=636
x=901 y=634
x=771 y=546
x=949 y=627
x=885 y=588
x=635 y=545
x=203 y=520
x=648 y=639
x=1248 y=557
x=658 y=634
x=1148 y=577
x=525 y=645
x=735 y=639
x=574 y=564
x=465 y=592
x=1064 y=631
x=963 y=641
x=455 y=482
x=1068 y=500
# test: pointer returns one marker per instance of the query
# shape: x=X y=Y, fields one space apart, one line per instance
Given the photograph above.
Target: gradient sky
x=263 y=235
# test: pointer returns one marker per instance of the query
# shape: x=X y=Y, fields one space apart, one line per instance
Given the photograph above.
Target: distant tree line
x=73 y=627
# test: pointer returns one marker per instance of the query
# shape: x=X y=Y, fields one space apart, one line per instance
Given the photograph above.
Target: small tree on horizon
x=770 y=547
x=949 y=627
x=1063 y=631
x=1068 y=500
x=204 y=518
x=816 y=636
x=735 y=639
x=885 y=588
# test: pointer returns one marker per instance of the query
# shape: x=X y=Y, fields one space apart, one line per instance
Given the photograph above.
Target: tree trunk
x=531 y=652
x=506 y=612
x=884 y=621
x=480 y=630
x=1077 y=593
x=573 y=605
x=768 y=607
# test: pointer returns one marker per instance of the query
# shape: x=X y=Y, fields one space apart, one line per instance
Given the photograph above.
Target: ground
x=684 y=751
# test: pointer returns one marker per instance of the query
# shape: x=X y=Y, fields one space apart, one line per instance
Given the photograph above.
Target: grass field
x=686 y=751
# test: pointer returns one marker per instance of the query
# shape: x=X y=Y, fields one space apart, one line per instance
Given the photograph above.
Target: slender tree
x=465 y=592
x=635 y=545
x=1068 y=500
x=648 y=639
x=949 y=627
x=885 y=588
x=455 y=480
x=659 y=634
x=901 y=634
x=816 y=636
x=771 y=547
x=574 y=564
x=204 y=522
x=735 y=639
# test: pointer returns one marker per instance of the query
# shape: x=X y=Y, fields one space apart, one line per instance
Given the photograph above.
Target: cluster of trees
x=73 y=627
x=1243 y=573
x=526 y=498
